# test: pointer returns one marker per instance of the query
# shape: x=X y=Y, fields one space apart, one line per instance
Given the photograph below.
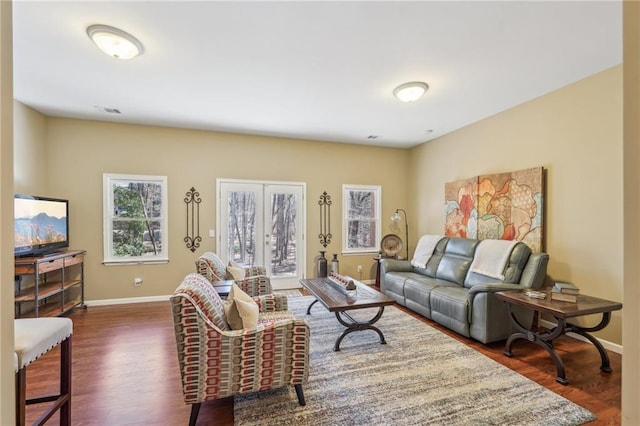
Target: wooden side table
x=378 y=259
x=561 y=311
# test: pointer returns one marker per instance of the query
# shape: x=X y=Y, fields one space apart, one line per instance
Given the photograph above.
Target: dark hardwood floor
x=125 y=371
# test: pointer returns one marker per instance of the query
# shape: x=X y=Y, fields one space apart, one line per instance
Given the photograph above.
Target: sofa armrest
x=394 y=265
x=487 y=289
x=492 y=288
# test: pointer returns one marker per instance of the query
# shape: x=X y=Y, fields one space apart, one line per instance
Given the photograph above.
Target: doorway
x=262 y=224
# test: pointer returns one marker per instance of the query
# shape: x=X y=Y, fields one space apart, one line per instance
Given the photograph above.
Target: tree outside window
x=242 y=227
x=361 y=218
x=135 y=214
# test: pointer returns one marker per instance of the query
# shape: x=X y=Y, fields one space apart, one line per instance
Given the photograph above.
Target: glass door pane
x=283 y=218
x=241 y=232
x=241 y=223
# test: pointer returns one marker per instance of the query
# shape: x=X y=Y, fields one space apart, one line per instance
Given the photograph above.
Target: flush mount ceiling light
x=409 y=92
x=115 y=42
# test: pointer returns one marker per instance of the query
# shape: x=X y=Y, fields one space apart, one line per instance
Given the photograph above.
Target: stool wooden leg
x=21 y=396
x=62 y=400
x=65 y=382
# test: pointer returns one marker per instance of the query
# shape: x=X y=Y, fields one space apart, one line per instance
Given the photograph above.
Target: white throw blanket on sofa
x=424 y=250
x=491 y=257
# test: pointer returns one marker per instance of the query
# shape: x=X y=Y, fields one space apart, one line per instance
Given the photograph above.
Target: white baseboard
x=105 y=302
x=613 y=347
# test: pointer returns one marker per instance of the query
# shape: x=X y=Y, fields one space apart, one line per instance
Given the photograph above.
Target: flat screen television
x=41 y=225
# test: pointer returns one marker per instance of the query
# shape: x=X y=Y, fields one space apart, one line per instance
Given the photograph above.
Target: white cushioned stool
x=33 y=338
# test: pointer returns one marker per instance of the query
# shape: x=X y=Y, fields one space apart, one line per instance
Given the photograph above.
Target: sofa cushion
x=456 y=260
x=432 y=266
x=450 y=307
x=394 y=284
x=417 y=293
x=512 y=272
x=240 y=309
x=236 y=273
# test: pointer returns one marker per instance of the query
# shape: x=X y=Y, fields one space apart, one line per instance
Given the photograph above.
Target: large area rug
x=421 y=376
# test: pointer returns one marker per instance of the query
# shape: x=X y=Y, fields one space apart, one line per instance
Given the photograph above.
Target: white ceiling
x=310 y=70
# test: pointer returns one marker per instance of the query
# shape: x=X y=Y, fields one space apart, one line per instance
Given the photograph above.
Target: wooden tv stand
x=56 y=287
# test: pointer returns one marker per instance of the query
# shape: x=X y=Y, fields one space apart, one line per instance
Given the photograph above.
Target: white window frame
x=377 y=192
x=108 y=180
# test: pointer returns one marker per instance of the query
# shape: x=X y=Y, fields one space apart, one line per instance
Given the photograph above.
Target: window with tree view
x=361 y=218
x=135 y=216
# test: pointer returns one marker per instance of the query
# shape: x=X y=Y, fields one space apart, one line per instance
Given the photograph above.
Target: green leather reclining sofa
x=448 y=292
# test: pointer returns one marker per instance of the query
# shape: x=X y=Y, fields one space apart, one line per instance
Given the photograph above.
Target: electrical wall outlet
x=137 y=282
x=359 y=268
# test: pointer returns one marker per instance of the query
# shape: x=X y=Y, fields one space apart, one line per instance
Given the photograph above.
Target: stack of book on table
x=565 y=292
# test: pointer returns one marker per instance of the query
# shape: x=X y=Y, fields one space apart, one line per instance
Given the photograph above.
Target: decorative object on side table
x=390 y=246
x=565 y=292
x=566 y=288
x=193 y=237
x=335 y=264
x=325 y=219
x=395 y=218
x=536 y=294
x=321 y=265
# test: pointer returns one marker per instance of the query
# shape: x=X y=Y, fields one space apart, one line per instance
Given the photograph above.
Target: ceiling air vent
x=107 y=110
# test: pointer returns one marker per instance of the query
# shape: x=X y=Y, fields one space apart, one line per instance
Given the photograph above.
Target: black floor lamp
x=396 y=218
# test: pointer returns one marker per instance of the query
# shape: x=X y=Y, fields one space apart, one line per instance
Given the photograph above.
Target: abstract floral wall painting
x=507 y=206
x=461 y=199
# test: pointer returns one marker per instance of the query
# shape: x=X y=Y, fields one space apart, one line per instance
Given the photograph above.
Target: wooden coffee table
x=561 y=311
x=335 y=299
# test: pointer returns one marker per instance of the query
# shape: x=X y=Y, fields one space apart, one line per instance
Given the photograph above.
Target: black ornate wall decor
x=325 y=219
x=193 y=237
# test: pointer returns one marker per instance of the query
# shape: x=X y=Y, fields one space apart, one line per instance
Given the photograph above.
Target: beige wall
x=7 y=375
x=29 y=151
x=575 y=133
x=631 y=331
x=80 y=151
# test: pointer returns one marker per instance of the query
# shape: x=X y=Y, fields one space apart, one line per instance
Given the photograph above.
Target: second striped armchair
x=254 y=283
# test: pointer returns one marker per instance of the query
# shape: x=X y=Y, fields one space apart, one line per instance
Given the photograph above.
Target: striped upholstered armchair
x=217 y=362
x=254 y=282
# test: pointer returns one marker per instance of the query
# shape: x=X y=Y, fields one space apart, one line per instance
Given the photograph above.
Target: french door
x=262 y=224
